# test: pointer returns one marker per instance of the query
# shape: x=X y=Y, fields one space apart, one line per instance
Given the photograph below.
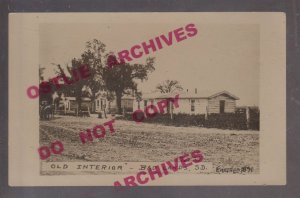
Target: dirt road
x=150 y=142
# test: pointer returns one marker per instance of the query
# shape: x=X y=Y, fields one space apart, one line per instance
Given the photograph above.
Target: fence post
x=248 y=117
x=65 y=108
x=123 y=111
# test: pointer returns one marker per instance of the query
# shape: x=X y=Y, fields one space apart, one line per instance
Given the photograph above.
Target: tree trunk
x=119 y=102
x=93 y=101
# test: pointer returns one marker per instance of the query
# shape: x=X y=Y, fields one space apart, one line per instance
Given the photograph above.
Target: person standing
x=104 y=110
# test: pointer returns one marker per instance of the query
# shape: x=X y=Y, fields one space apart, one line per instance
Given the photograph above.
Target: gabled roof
x=226 y=93
x=189 y=95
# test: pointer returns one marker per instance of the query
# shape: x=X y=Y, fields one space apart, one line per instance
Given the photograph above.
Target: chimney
x=195 y=90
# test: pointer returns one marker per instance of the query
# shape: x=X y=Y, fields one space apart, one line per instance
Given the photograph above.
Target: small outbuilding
x=102 y=103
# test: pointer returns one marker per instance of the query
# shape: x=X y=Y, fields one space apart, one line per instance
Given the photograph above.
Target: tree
x=91 y=87
x=120 y=79
x=169 y=86
x=93 y=56
x=41 y=73
x=44 y=96
x=78 y=88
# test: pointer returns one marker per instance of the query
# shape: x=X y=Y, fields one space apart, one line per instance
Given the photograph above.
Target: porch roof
x=189 y=95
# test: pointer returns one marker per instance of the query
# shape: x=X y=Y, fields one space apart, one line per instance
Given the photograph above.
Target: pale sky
x=219 y=57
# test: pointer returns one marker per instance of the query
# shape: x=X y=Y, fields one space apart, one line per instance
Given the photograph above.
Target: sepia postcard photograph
x=138 y=99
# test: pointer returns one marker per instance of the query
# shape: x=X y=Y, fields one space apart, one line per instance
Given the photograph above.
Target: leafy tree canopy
x=121 y=79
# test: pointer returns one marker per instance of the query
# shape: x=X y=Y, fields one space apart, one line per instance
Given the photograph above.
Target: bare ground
x=150 y=142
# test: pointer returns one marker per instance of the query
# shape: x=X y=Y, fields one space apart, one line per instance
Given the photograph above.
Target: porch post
x=65 y=108
x=206 y=112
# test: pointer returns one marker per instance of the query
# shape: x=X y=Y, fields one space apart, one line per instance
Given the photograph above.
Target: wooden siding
x=127 y=103
x=214 y=104
x=74 y=105
x=202 y=105
x=185 y=106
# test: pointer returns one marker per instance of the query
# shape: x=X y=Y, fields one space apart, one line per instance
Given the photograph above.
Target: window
x=145 y=103
x=192 y=105
x=222 y=106
x=97 y=103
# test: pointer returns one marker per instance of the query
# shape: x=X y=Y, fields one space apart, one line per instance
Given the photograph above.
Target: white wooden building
x=203 y=102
